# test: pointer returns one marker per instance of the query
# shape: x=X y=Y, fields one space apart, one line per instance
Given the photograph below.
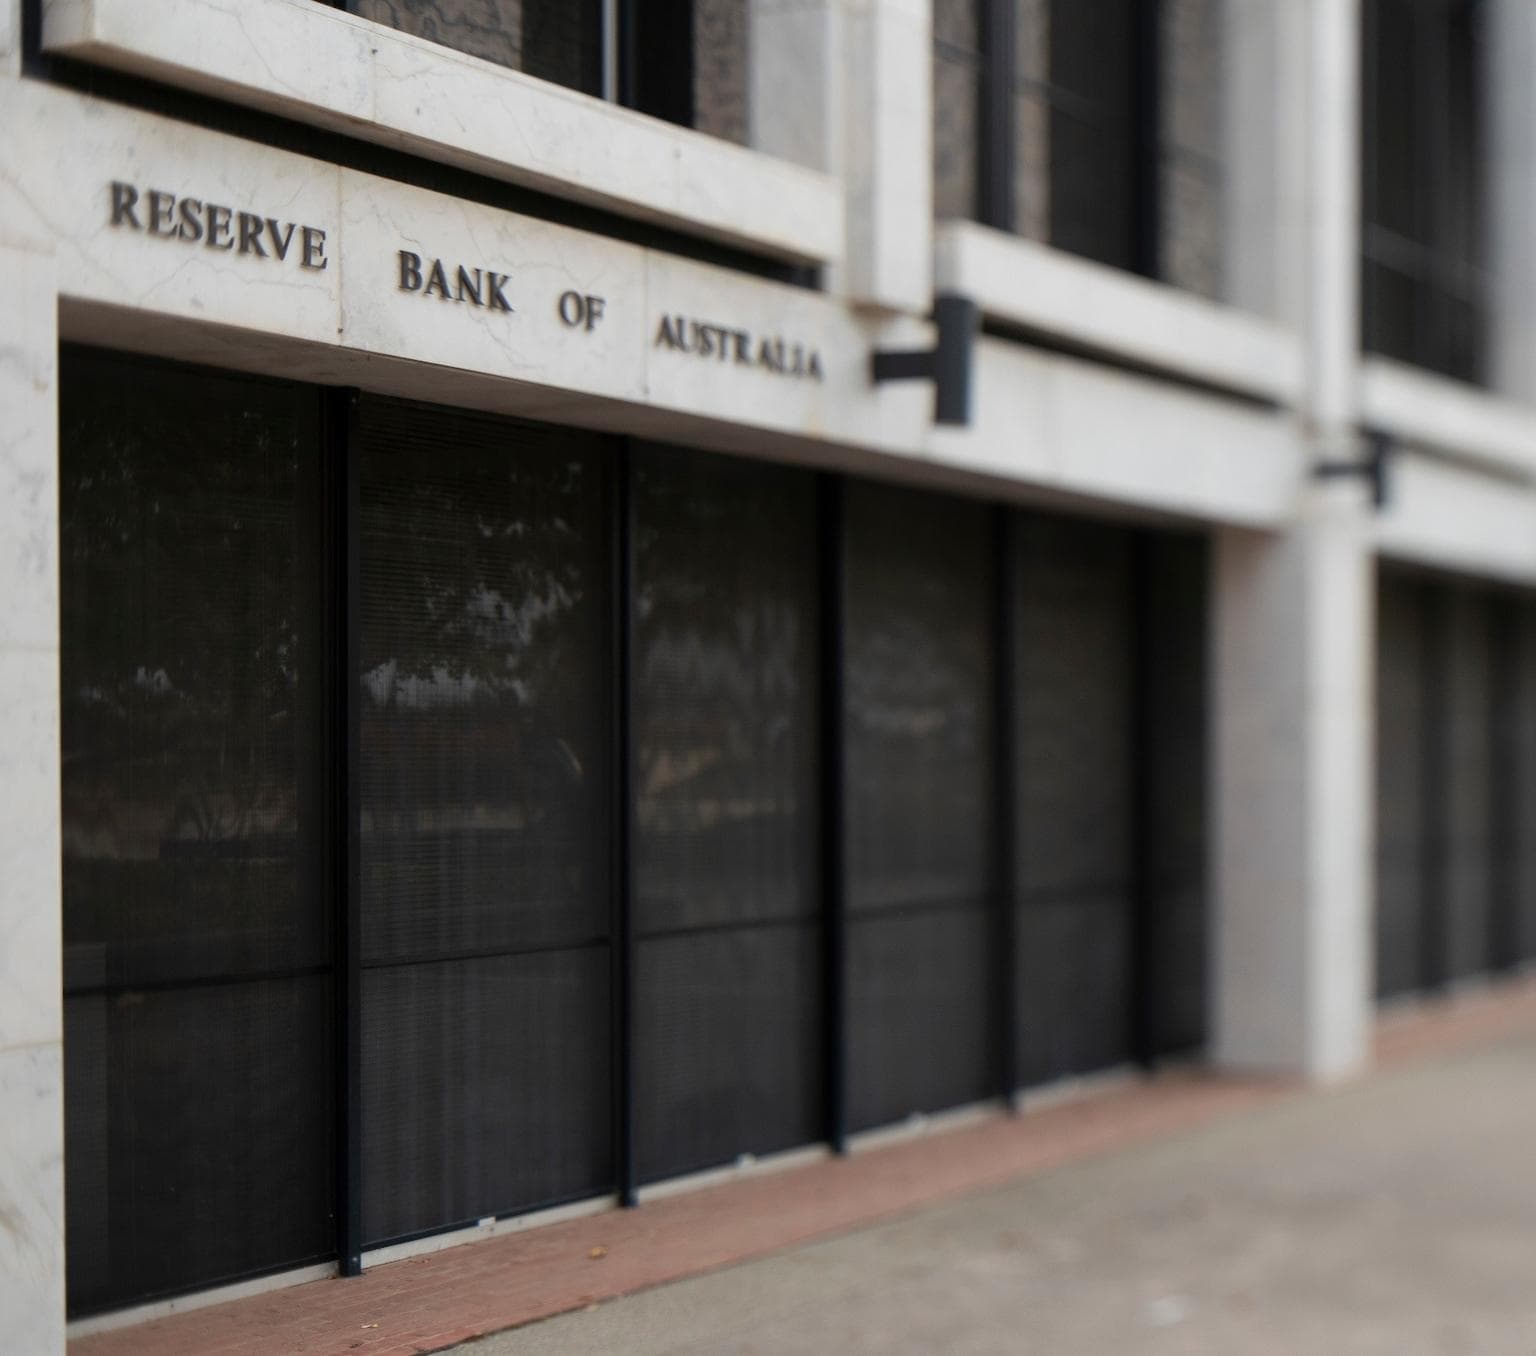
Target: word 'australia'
x=477 y=286
x=772 y=354
x=193 y=221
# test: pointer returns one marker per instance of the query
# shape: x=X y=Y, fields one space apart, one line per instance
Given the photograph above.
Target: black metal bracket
x=1373 y=468
x=947 y=364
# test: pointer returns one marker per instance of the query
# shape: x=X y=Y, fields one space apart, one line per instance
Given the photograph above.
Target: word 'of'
x=217 y=227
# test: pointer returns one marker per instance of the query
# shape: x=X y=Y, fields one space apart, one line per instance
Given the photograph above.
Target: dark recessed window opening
x=1091 y=125
x=1424 y=220
x=464 y=816
x=681 y=60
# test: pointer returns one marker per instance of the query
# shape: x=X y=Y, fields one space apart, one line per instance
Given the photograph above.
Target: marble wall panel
x=274 y=268
x=28 y=476
x=392 y=301
x=32 y=1199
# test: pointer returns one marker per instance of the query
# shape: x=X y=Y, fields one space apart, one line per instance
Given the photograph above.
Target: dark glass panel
x=1175 y=677
x=484 y=753
x=918 y=688
x=1093 y=55
x=558 y=40
x=1093 y=190
x=923 y=1028
x=726 y=818
x=1423 y=211
x=197 y=1136
x=919 y=730
x=486 y=1088
x=1401 y=712
x=196 y=937
x=1073 y=831
x=728 y=1045
x=1093 y=130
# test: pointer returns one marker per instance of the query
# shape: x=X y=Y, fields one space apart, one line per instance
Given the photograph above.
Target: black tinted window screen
x=483 y=752
x=196 y=940
x=726 y=810
x=918 y=691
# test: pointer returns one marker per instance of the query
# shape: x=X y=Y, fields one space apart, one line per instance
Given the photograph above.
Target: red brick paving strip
x=436 y=1301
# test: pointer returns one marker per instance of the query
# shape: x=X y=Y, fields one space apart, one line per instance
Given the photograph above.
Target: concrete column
x=31 y=985
x=1294 y=621
x=1293 y=616
x=1511 y=186
x=845 y=86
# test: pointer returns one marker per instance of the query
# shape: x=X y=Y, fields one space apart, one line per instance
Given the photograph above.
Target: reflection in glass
x=726 y=837
x=196 y=942
x=483 y=751
x=1074 y=770
x=918 y=692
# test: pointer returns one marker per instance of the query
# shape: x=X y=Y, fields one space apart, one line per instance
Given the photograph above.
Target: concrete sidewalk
x=1396 y=1215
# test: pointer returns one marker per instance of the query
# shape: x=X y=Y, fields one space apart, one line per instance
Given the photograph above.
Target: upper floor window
x=1424 y=265
x=1091 y=125
x=681 y=60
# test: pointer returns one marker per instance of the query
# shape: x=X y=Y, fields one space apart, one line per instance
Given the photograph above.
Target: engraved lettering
x=773 y=353
x=219 y=236
x=437 y=278
x=124 y=196
x=470 y=283
x=250 y=235
x=498 y=299
x=314 y=249
x=410 y=271
x=280 y=242
x=162 y=211
x=191 y=227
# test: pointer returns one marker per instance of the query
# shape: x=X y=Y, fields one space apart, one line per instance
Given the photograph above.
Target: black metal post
x=343 y=858
x=1434 y=810
x=833 y=874
x=1005 y=799
x=1503 y=741
x=621 y=818
x=995 y=140
x=1144 y=921
x=1149 y=137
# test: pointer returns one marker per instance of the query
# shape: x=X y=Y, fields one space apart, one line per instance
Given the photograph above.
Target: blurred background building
x=502 y=711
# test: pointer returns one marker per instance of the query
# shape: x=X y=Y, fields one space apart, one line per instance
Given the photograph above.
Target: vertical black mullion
x=1503 y=621
x=1148 y=103
x=620 y=501
x=342 y=868
x=995 y=150
x=1434 y=810
x=627 y=40
x=1144 y=976
x=1005 y=799
x=834 y=891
